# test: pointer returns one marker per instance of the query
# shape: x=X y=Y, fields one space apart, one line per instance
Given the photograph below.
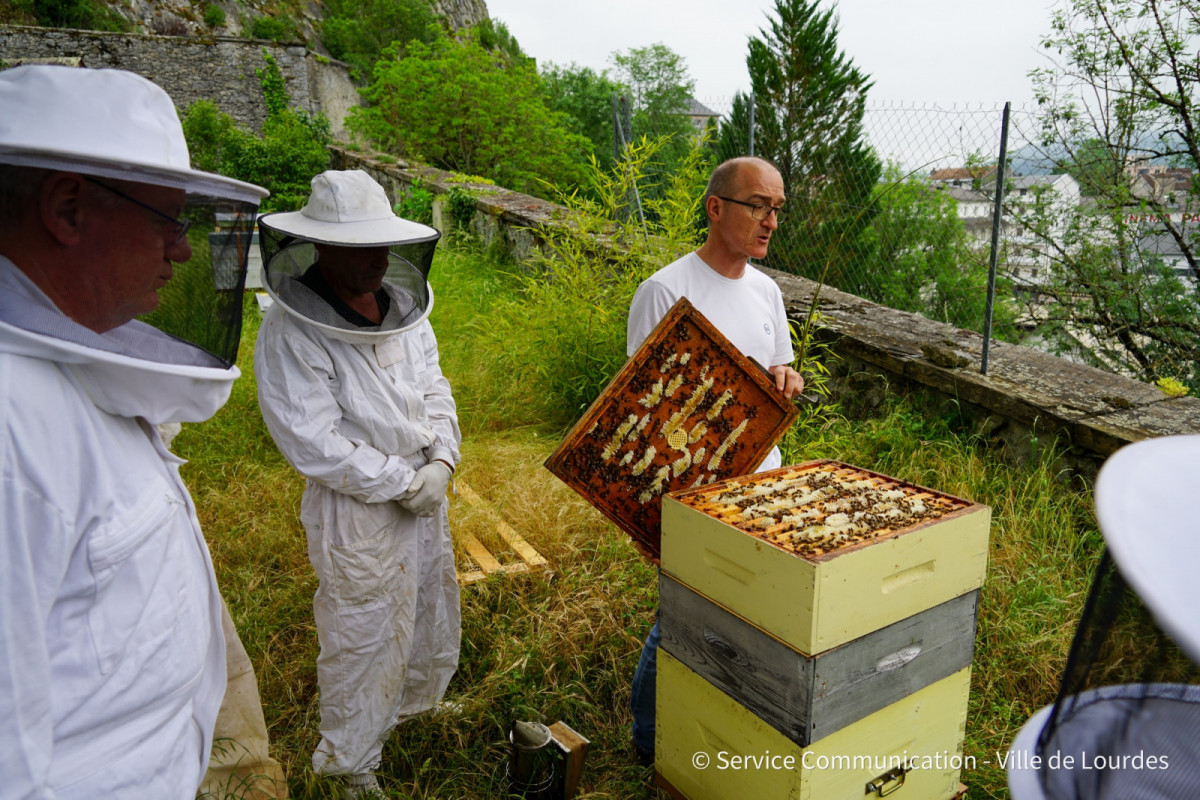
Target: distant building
x=1026 y=263
x=1166 y=185
x=962 y=177
x=700 y=115
x=1156 y=244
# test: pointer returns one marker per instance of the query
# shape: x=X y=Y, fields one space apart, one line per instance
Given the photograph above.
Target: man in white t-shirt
x=743 y=200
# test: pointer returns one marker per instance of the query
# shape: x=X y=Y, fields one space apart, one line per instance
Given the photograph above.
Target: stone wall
x=1027 y=399
x=460 y=13
x=221 y=69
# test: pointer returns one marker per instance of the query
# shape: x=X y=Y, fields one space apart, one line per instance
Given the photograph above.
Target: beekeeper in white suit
x=112 y=664
x=350 y=388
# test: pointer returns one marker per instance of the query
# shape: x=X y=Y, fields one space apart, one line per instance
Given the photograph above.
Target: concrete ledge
x=1097 y=411
x=510 y=218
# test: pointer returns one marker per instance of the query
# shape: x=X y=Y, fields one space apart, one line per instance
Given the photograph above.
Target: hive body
x=823 y=609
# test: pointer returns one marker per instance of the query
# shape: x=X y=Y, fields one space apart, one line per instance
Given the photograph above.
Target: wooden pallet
x=486 y=562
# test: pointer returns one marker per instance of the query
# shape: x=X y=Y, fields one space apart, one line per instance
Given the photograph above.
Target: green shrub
x=291 y=150
x=456 y=106
x=274 y=89
x=357 y=31
x=417 y=205
x=214 y=16
x=461 y=204
x=277 y=29
x=87 y=15
x=562 y=337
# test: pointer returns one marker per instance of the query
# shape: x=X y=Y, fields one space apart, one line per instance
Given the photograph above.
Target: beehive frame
x=687 y=410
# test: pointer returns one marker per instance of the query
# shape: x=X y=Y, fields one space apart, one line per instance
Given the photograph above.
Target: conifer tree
x=809 y=104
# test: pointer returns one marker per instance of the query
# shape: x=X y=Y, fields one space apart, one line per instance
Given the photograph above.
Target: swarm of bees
x=816 y=508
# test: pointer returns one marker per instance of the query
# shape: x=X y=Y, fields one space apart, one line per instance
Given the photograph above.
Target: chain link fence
x=910 y=222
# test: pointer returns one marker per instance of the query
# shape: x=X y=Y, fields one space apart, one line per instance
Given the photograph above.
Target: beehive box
x=806 y=697
x=823 y=553
x=686 y=410
x=700 y=731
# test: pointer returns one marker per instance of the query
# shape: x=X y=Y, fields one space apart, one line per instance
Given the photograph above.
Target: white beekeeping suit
x=364 y=413
x=112 y=662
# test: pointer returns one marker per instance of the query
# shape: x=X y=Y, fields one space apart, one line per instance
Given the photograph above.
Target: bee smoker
x=534 y=764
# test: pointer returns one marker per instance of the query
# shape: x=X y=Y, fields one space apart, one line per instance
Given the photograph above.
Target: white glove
x=427 y=490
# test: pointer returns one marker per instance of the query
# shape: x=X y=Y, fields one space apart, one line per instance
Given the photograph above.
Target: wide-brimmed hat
x=105 y=122
x=1145 y=504
x=348 y=208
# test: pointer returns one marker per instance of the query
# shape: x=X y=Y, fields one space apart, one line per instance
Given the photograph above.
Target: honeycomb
x=817 y=508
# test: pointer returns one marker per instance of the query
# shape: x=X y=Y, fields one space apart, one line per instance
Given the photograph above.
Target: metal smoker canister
x=533 y=761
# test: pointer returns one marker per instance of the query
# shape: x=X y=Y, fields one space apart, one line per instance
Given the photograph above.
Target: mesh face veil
x=202 y=303
x=114 y=126
x=1126 y=723
x=286 y=260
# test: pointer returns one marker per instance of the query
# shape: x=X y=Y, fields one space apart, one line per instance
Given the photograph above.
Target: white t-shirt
x=748 y=311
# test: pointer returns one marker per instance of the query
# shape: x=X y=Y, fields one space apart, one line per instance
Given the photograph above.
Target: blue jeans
x=641 y=698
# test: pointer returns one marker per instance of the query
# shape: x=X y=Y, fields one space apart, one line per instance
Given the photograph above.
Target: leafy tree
x=585 y=96
x=660 y=88
x=1122 y=94
x=456 y=105
x=495 y=36
x=655 y=80
x=291 y=150
x=1093 y=165
x=809 y=104
x=357 y=31
x=925 y=259
x=281 y=28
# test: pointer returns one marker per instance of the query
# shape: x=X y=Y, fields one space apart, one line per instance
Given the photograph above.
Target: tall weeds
x=561 y=337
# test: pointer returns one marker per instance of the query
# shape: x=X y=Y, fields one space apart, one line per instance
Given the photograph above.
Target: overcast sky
x=917 y=51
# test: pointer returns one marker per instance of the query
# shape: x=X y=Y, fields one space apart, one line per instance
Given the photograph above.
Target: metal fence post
x=997 y=213
x=618 y=133
x=622 y=133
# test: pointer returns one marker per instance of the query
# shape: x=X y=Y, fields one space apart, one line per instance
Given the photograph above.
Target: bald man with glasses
x=744 y=202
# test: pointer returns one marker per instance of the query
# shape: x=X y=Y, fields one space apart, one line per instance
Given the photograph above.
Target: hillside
x=285 y=19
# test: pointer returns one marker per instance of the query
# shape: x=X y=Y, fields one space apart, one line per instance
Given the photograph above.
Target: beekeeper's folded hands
x=428 y=489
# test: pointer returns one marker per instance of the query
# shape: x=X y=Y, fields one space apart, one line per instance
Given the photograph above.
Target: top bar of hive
x=821 y=507
x=686 y=410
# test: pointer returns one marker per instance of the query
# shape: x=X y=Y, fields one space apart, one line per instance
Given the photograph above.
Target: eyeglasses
x=179 y=226
x=757 y=210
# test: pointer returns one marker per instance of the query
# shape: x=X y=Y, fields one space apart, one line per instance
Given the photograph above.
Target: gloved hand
x=427 y=490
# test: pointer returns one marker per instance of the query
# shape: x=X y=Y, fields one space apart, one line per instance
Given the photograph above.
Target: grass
x=562 y=644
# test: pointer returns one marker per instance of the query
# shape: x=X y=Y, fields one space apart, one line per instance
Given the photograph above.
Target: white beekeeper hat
x=105 y=122
x=348 y=208
x=1145 y=504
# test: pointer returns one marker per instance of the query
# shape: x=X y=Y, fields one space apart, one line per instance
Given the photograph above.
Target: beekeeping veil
x=111 y=125
x=1126 y=723
x=348 y=209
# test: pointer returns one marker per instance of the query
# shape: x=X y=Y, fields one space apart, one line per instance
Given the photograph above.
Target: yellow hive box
x=910 y=549
x=708 y=747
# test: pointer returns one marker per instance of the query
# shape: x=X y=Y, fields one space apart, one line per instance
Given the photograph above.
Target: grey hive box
x=807 y=697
